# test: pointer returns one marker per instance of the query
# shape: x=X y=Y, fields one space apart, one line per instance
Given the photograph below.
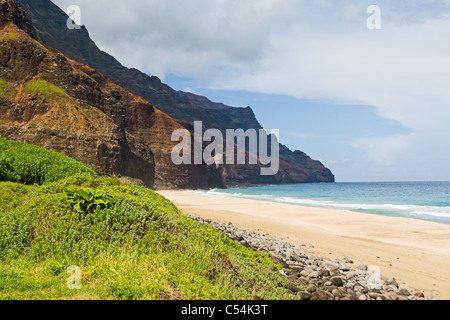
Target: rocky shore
x=319 y=278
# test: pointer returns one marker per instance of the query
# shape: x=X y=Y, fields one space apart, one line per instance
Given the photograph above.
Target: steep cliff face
x=48 y=24
x=10 y=11
x=54 y=102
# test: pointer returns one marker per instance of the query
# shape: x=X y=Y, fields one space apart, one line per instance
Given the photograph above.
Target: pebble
x=403 y=292
x=317 y=273
x=362 y=267
x=347 y=260
x=344 y=267
x=311 y=288
x=306 y=272
x=304 y=295
x=314 y=274
x=374 y=295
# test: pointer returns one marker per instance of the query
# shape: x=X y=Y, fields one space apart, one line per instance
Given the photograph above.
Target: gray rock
x=324 y=273
x=392 y=295
x=344 y=267
x=293 y=287
x=245 y=244
x=334 y=275
x=295 y=256
x=329 y=264
x=306 y=272
x=347 y=260
x=323 y=295
x=351 y=293
x=350 y=285
x=362 y=267
x=311 y=288
x=374 y=295
x=389 y=282
x=403 y=292
x=283 y=272
x=338 y=293
x=304 y=295
x=390 y=288
x=364 y=289
x=361 y=273
x=337 y=281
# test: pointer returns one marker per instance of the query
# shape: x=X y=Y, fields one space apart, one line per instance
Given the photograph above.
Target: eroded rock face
x=10 y=11
x=103 y=124
x=56 y=103
x=49 y=25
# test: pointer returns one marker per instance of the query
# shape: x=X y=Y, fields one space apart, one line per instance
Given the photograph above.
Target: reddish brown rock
x=56 y=103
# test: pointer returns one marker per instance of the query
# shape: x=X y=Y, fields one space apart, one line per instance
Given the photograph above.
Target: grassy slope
x=135 y=245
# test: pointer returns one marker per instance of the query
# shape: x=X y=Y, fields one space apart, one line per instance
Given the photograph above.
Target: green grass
x=134 y=245
x=43 y=87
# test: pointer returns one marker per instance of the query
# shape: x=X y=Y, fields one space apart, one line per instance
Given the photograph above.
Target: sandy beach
x=416 y=253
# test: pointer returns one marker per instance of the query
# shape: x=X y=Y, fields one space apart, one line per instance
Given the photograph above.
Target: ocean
x=418 y=200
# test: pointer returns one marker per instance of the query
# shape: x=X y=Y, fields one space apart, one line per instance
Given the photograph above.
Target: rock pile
x=319 y=278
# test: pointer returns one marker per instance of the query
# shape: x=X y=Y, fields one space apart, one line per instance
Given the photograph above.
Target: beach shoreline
x=414 y=252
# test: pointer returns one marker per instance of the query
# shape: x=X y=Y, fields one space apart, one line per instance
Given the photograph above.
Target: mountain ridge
x=49 y=25
x=295 y=167
x=57 y=103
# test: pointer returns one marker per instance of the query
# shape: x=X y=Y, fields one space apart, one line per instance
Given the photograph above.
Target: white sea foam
x=405 y=210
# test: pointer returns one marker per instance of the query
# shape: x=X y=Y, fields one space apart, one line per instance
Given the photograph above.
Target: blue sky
x=373 y=105
x=322 y=130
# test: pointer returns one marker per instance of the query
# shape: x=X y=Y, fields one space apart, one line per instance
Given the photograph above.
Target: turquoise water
x=419 y=200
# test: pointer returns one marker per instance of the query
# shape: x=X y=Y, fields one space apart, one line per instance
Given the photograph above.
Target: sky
x=371 y=104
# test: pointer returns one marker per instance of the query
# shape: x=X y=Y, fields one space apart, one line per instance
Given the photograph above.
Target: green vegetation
x=8 y=36
x=88 y=199
x=128 y=241
x=4 y=88
x=28 y=164
x=45 y=88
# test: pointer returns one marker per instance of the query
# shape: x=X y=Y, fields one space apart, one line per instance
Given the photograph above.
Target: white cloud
x=307 y=49
x=402 y=70
x=386 y=151
x=184 y=37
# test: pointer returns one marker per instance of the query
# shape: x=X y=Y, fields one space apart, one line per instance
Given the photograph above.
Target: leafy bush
x=48 y=227
x=11 y=193
x=28 y=164
x=130 y=242
x=88 y=199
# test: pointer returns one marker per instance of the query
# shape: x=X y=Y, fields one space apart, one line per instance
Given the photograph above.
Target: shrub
x=28 y=164
x=88 y=199
x=131 y=242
